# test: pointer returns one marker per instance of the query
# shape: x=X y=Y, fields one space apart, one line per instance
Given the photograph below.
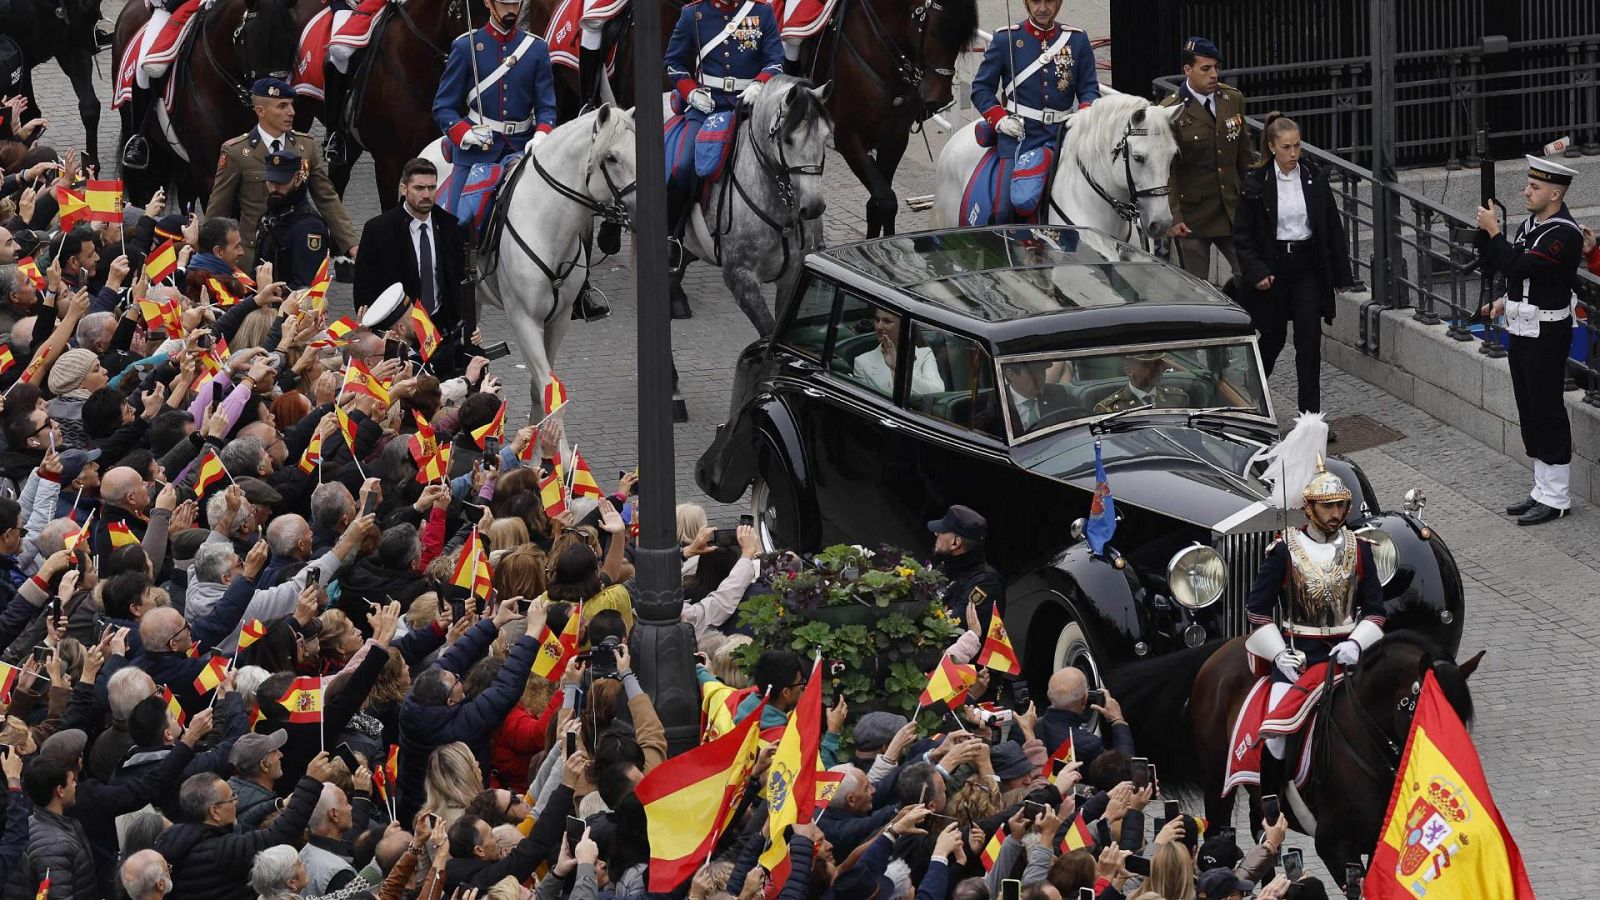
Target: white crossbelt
x=1047 y=116
x=477 y=118
x=1038 y=62
x=727 y=30
x=726 y=84
x=500 y=72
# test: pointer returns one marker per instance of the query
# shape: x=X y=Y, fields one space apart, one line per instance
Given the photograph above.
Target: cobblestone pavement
x=1529 y=591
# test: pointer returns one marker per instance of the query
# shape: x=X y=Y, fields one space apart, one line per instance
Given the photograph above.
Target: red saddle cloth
x=564 y=33
x=312 y=54
x=162 y=54
x=1256 y=723
x=798 y=19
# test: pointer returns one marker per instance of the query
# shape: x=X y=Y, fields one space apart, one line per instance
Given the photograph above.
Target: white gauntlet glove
x=1288 y=662
x=1346 y=652
x=700 y=98
x=1012 y=127
x=478 y=137
x=748 y=95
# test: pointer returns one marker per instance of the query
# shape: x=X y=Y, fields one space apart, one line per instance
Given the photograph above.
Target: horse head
x=790 y=127
x=938 y=31
x=266 y=38
x=1124 y=148
x=610 y=173
x=1389 y=681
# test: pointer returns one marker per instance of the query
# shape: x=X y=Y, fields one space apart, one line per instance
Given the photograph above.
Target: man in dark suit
x=427 y=254
x=1031 y=396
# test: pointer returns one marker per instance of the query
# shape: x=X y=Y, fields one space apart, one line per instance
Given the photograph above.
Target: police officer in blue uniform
x=497 y=95
x=1057 y=67
x=291 y=236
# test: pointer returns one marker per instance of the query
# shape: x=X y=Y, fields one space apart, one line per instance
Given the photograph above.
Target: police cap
x=271 y=88
x=961 y=521
x=282 y=166
x=1201 y=46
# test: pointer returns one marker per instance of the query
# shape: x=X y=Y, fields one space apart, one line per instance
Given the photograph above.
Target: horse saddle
x=1294 y=717
x=1001 y=191
x=473 y=199
x=707 y=158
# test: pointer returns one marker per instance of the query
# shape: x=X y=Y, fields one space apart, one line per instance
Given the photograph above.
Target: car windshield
x=1043 y=392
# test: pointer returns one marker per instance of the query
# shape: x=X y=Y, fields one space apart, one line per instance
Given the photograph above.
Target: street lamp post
x=663 y=644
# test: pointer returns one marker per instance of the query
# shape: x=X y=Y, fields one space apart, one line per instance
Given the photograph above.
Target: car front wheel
x=1072 y=649
x=774 y=505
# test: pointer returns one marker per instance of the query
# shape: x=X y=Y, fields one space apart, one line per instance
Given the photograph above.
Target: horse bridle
x=908 y=66
x=1127 y=209
x=782 y=175
x=1388 y=746
x=614 y=211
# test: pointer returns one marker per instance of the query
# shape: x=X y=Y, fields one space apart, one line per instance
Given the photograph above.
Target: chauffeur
x=239 y=189
x=292 y=236
x=1539 y=266
x=958 y=540
x=1213 y=154
x=1144 y=387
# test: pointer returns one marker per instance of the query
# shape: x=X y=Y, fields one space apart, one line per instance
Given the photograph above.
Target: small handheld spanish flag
x=948 y=682
x=303 y=701
x=162 y=261
x=550 y=660
x=211 y=471
x=30 y=270
x=997 y=652
x=1063 y=756
x=313 y=455
x=253 y=631
x=104 y=199
x=494 y=428
x=555 y=394
x=317 y=294
x=211 y=676
x=44 y=887
x=6 y=359
x=427 y=333
x=347 y=429
x=1077 y=836
x=8 y=680
x=338 y=333
x=552 y=494
x=173 y=706
x=991 y=850
x=73 y=208
x=583 y=483
x=220 y=294
x=121 y=535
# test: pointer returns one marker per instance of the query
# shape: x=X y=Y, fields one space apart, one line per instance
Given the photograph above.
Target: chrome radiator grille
x=1242 y=554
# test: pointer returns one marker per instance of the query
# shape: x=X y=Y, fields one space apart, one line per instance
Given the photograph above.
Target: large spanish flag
x=689 y=799
x=997 y=652
x=791 y=782
x=1443 y=836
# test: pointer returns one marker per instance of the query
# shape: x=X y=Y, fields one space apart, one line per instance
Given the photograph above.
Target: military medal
x=1063 y=68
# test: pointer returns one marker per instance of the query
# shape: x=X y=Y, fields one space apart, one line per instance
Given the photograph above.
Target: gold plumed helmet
x=1325 y=487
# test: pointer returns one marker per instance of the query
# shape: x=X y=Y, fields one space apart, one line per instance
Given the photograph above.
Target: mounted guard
x=1316 y=599
x=1033 y=76
x=139 y=83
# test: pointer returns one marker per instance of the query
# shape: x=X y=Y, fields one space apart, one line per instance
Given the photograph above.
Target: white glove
x=700 y=98
x=1288 y=662
x=1346 y=652
x=478 y=137
x=1012 y=127
x=748 y=95
x=537 y=137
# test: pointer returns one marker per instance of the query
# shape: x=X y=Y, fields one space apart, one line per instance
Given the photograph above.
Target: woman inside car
x=876 y=366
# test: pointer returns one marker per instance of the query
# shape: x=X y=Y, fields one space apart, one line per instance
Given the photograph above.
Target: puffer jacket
x=56 y=844
x=214 y=862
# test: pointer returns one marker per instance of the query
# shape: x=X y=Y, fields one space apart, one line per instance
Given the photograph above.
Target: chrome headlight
x=1414 y=501
x=1384 y=552
x=1197 y=576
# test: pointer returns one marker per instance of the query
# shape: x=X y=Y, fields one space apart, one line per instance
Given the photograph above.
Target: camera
x=603 y=658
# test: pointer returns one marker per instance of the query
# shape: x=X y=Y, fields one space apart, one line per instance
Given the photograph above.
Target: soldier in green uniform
x=240 y=188
x=1213 y=154
x=1144 y=387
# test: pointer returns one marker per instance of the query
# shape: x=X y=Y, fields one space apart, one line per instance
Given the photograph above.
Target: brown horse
x=898 y=58
x=1363 y=722
x=231 y=44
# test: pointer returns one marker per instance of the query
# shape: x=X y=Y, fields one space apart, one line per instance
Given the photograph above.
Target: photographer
x=718 y=578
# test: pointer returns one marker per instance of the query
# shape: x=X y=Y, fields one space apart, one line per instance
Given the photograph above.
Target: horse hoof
x=680 y=410
x=680 y=306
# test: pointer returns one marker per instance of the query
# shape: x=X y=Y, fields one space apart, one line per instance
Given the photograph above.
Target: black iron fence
x=1432 y=268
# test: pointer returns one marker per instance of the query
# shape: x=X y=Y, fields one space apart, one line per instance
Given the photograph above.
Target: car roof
x=1036 y=287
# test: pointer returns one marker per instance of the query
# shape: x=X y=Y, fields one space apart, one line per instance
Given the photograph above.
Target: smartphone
x=575 y=829
x=344 y=752
x=41 y=653
x=313 y=575
x=623 y=473
x=724 y=537
x=1010 y=889
x=1086 y=893
x=1140 y=772
x=1270 y=809
x=1033 y=808
x=1294 y=864
x=1096 y=698
x=1138 y=865
x=747 y=521
x=572 y=743
x=1150 y=773
x=491 y=453
x=1170 y=810
x=369 y=504
x=497 y=351
x=1354 y=875
x=393 y=349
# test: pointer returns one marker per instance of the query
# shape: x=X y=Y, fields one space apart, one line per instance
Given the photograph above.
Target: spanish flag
x=569 y=631
x=317 y=294
x=211 y=676
x=244 y=278
x=73 y=208
x=427 y=437
x=359 y=379
x=949 y=683
x=791 y=788
x=472 y=568
x=312 y=455
x=997 y=652
x=1442 y=836
x=495 y=428
x=105 y=200
x=35 y=365
x=174 y=708
x=72 y=539
x=253 y=631
x=1077 y=836
x=162 y=316
x=550 y=660
x=6 y=359
x=121 y=535
x=220 y=294
x=8 y=680
x=30 y=270
x=429 y=467
x=552 y=494
x=427 y=333
x=391 y=764
x=1063 y=757
x=828 y=785
x=161 y=262
x=555 y=394
x=347 y=429
x=44 y=888
x=303 y=700
x=583 y=483
x=991 y=850
x=689 y=799
x=211 y=472
x=337 y=333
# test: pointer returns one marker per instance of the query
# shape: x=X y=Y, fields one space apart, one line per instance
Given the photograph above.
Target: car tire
x=1073 y=649
x=774 y=506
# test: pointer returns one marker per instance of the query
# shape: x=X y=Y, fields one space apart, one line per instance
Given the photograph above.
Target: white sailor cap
x=1545 y=170
x=385 y=310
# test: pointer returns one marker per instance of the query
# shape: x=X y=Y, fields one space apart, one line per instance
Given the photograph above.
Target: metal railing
x=1432 y=268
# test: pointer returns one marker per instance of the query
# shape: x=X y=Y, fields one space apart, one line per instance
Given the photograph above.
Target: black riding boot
x=136 y=152
x=591 y=69
x=677 y=256
x=795 y=67
x=335 y=149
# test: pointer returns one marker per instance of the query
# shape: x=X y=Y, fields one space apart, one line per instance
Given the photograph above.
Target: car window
x=806 y=332
x=951 y=379
x=865 y=342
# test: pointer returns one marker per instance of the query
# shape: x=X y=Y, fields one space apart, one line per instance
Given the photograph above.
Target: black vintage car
x=979 y=367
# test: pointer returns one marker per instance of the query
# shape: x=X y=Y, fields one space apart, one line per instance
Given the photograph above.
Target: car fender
x=1356 y=480
x=1076 y=586
x=1426 y=594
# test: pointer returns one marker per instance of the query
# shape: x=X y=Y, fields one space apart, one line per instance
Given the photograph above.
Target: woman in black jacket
x=1292 y=254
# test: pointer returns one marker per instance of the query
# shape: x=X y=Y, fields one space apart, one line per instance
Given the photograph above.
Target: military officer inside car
x=292 y=236
x=1144 y=387
x=1539 y=266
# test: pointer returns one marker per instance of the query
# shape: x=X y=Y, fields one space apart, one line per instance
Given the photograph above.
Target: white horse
x=765 y=210
x=1111 y=173
x=584 y=169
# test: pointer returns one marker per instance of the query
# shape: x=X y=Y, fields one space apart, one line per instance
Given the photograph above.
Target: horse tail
x=1154 y=695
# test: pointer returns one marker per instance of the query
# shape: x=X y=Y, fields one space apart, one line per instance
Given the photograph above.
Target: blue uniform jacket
x=526 y=91
x=1066 y=83
x=754 y=51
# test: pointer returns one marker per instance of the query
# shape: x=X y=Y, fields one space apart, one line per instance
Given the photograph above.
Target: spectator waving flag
x=427 y=333
x=948 y=683
x=73 y=208
x=29 y=269
x=1103 y=511
x=162 y=262
x=1443 y=836
x=689 y=799
x=253 y=631
x=105 y=200
x=791 y=781
x=997 y=652
x=555 y=394
x=303 y=700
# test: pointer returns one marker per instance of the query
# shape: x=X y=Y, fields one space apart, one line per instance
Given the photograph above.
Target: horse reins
x=1128 y=209
x=782 y=176
x=908 y=66
x=1386 y=745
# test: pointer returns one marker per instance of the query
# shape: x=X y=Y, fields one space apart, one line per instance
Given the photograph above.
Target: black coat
x=387 y=254
x=215 y=862
x=1255 y=234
